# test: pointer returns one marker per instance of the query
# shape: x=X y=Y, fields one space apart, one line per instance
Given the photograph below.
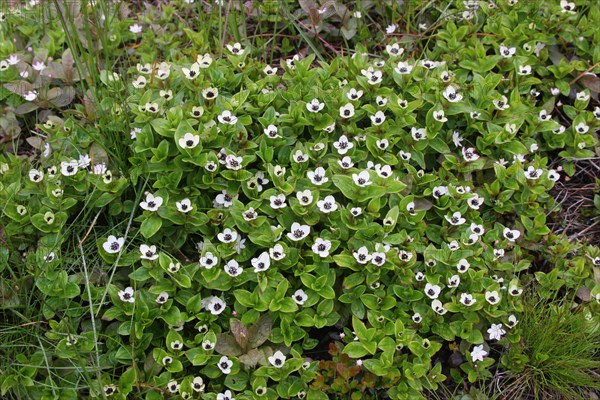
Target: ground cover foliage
x=299 y=200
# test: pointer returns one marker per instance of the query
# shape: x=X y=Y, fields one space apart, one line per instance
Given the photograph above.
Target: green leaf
x=150 y=226
x=355 y=350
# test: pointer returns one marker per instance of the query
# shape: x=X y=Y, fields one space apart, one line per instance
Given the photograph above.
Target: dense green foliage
x=186 y=215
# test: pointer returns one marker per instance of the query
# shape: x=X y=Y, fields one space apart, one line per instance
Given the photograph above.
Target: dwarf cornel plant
x=193 y=226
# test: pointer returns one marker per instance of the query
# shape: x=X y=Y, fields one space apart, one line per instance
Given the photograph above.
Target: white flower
x=162 y=298
x=233 y=269
x=438 y=307
x=475 y=202
x=469 y=154
x=321 y=247
x=189 y=141
x=512 y=321
x=346 y=162
x=276 y=252
x=451 y=95
x=507 y=52
x=172 y=386
x=560 y=130
x=456 y=218
x=250 y=214
x=152 y=203
x=362 y=256
x=378 y=118
x=210 y=93
x=362 y=179
x=373 y=77
x=567 y=7
x=209 y=260
x=305 y=197
x=278 y=201
x=382 y=144
x=496 y=332
x=514 y=290
x=38 y=66
x=35 y=175
x=227 y=118
x=204 y=61
x=227 y=236
x=354 y=94
x=327 y=205
x=419 y=276
x=502 y=103
x=135 y=28
x=317 y=177
x=356 y=211
x=477 y=229
x=347 y=111
x=298 y=232
x=357 y=14
x=214 y=304
x=582 y=128
x=31 y=95
x=454 y=281
x=236 y=49
x=533 y=173
x=184 y=205
x=109 y=390
x=378 y=258
x=394 y=50
x=148 y=252
x=198 y=384
x=300 y=157
x=524 y=70
x=291 y=62
x=225 y=199
x=299 y=297
x=315 y=106
x=498 y=253
x=582 y=96
x=13 y=59
x=467 y=299
x=432 y=291
x=405 y=155
x=544 y=116
x=391 y=29
x=232 y=162
x=113 y=245
x=553 y=175
x=403 y=69
x=478 y=353
x=418 y=134
x=272 y=132
x=127 y=295
x=463 y=265
x=227 y=394
x=262 y=262
x=440 y=116
x=492 y=297
x=225 y=365
x=139 y=83
x=268 y=70
x=383 y=171
x=381 y=101
x=343 y=145
x=277 y=359
x=511 y=235
x=69 y=168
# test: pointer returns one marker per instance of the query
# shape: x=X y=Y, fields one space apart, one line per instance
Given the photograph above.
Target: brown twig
x=584 y=73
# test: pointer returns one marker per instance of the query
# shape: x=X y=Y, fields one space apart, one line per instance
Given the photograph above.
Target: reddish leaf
x=239 y=332
x=227 y=346
x=260 y=331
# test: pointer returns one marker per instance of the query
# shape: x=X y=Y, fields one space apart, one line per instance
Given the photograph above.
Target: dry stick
x=89 y=293
x=89 y=229
x=576 y=235
x=225 y=28
x=325 y=42
x=584 y=72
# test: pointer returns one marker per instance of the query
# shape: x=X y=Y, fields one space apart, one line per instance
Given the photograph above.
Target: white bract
x=152 y=202
x=277 y=359
x=478 y=353
x=321 y=247
x=113 y=244
x=327 y=205
x=189 y=141
x=227 y=236
x=432 y=291
x=126 y=295
x=298 y=232
x=148 y=252
x=362 y=179
x=317 y=177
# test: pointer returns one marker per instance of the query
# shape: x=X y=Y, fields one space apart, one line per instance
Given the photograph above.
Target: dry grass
x=577 y=218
